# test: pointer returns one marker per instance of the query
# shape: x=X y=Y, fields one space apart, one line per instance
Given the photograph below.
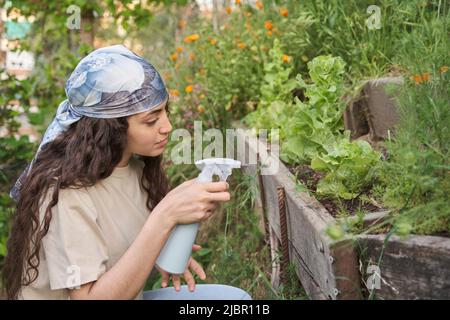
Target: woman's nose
x=166 y=127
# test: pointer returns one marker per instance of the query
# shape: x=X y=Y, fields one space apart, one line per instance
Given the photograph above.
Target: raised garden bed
x=416 y=267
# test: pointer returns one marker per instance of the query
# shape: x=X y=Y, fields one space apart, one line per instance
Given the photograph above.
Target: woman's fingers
x=197 y=268
x=218 y=186
x=196 y=247
x=189 y=280
x=219 y=196
x=165 y=279
x=176 y=282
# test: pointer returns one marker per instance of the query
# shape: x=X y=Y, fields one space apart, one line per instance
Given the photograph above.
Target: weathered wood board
x=417 y=267
x=327 y=270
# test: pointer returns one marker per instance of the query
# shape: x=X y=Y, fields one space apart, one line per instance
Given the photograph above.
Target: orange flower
x=191 y=57
x=174 y=92
x=425 y=76
x=242 y=45
x=192 y=38
x=269 y=33
x=259 y=5
x=284 y=12
x=417 y=78
x=181 y=24
x=229 y=10
x=201 y=108
x=174 y=57
x=443 y=69
x=179 y=49
x=213 y=42
x=238 y=2
x=268 y=25
x=189 y=88
x=286 y=58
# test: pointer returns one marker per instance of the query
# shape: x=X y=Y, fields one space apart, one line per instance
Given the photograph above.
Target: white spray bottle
x=175 y=254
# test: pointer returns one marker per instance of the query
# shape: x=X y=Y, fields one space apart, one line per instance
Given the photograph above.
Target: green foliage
x=417 y=174
x=314 y=123
x=341 y=29
x=347 y=166
x=275 y=92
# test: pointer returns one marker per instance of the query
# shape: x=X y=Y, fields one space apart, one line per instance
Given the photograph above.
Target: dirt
x=310 y=179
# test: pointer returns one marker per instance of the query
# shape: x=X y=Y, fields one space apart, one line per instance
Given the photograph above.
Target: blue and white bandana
x=110 y=82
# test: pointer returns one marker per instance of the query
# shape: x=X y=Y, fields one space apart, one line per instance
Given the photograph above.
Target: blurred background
x=228 y=61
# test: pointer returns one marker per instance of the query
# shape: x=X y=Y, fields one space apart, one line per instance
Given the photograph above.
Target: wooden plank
x=417 y=267
x=317 y=258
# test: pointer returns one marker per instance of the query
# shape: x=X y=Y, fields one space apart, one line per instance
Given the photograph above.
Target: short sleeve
x=75 y=249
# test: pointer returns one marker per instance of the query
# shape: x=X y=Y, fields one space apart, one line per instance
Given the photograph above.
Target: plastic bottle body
x=176 y=252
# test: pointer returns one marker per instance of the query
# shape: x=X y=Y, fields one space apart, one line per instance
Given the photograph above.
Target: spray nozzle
x=216 y=166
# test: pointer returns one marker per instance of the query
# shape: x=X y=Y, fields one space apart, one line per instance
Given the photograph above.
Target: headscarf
x=109 y=82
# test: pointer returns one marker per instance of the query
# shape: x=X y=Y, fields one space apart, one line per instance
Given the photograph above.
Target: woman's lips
x=163 y=142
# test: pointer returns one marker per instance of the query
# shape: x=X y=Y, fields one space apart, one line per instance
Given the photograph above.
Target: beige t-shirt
x=90 y=229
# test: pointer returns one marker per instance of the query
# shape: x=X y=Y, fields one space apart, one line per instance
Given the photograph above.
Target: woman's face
x=148 y=132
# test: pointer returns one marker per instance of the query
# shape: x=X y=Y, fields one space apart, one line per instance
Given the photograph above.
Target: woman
x=93 y=207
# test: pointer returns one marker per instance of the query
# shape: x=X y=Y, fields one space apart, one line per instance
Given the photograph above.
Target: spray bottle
x=175 y=254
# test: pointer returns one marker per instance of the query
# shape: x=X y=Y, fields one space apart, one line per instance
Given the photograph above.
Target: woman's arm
x=127 y=277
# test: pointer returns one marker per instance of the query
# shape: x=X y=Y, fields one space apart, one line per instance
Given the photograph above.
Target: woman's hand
x=193 y=265
x=192 y=202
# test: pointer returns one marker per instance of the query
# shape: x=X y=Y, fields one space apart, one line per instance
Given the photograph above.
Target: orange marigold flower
x=286 y=58
x=425 y=76
x=192 y=38
x=284 y=12
x=201 y=108
x=242 y=45
x=229 y=10
x=189 y=88
x=417 y=78
x=179 y=49
x=268 y=25
x=238 y=2
x=443 y=69
x=191 y=57
x=174 y=57
x=269 y=33
x=174 y=92
x=213 y=42
x=259 y=5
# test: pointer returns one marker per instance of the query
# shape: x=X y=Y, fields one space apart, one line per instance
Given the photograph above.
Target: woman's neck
x=125 y=159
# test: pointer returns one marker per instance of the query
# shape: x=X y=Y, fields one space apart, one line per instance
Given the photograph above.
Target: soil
x=310 y=178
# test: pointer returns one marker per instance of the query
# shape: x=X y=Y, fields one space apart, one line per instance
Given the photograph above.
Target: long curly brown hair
x=84 y=154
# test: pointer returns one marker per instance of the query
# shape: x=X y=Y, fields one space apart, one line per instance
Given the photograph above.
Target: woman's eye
x=150 y=123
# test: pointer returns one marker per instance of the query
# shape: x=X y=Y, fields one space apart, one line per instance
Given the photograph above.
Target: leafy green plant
x=347 y=166
x=313 y=124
